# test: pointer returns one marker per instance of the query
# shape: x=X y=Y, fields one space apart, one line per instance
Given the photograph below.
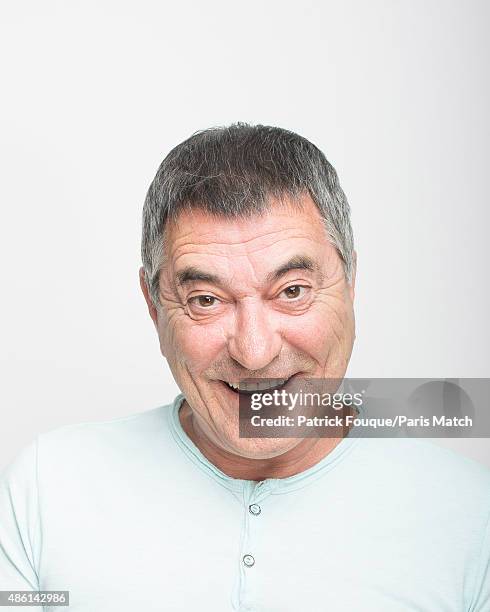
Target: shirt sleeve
x=19 y=523
x=481 y=601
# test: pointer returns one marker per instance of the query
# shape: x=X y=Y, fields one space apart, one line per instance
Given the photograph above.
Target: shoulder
x=423 y=460
x=133 y=424
x=97 y=440
x=83 y=449
x=435 y=474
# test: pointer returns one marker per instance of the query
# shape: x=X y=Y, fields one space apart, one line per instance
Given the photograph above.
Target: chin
x=218 y=407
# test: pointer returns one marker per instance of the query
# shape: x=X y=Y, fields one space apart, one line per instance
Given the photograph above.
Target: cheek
x=190 y=344
x=309 y=335
x=324 y=327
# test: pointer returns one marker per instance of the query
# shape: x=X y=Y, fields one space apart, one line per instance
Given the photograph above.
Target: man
x=249 y=272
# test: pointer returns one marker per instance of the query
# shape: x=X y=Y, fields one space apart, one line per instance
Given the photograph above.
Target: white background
x=94 y=95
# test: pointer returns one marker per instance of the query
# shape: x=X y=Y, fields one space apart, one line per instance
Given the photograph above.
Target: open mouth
x=263 y=385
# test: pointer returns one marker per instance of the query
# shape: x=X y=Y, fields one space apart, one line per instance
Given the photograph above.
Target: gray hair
x=233 y=172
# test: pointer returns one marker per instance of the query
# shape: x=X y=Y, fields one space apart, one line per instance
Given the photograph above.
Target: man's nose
x=255 y=340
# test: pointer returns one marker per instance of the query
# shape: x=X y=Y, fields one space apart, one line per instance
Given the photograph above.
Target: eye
x=203 y=301
x=294 y=292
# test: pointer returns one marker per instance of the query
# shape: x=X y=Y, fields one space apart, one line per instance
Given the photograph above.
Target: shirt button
x=248 y=560
x=255 y=509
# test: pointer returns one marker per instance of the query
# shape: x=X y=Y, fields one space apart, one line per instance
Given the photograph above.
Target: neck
x=307 y=453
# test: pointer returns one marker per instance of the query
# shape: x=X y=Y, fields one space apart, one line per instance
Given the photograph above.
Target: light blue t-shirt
x=128 y=515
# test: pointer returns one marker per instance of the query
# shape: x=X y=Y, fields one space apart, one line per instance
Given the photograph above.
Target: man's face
x=263 y=297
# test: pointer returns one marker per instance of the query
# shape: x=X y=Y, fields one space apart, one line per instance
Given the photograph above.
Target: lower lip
x=237 y=393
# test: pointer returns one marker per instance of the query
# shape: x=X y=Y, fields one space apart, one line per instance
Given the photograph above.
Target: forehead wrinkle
x=231 y=242
x=233 y=246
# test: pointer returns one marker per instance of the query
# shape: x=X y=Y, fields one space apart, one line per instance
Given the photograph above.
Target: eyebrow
x=298 y=262
x=191 y=274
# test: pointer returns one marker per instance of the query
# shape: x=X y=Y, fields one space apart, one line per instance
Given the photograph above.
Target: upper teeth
x=269 y=383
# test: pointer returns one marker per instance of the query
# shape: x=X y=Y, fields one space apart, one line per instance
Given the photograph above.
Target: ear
x=352 y=285
x=151 y=307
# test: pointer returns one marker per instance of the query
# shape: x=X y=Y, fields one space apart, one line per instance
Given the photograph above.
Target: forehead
x=282 y=227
